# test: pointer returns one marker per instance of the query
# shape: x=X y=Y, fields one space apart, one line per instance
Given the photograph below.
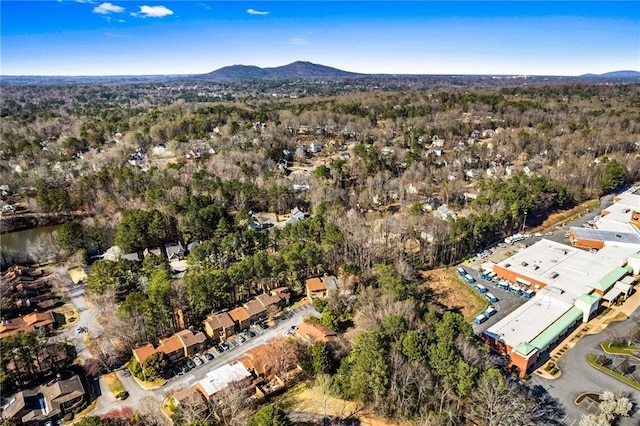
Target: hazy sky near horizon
x=86 y=37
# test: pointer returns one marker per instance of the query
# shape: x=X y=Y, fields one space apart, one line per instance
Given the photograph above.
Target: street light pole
x=524 y=222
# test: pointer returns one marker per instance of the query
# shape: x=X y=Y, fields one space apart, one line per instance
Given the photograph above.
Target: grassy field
x=70 y=314
x=451 y=291
x=311 y=398
x=115 y=385
x=566 y=215
x=622 y=350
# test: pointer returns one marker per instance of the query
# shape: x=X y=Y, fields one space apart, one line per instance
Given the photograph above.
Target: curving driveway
x=578 y=376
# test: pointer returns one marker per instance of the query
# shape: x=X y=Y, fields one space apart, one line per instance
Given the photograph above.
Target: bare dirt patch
x=564 y=216
x=450 y=292
x=305 y=398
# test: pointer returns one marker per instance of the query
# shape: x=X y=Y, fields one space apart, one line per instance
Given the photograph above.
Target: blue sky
x=86 y=37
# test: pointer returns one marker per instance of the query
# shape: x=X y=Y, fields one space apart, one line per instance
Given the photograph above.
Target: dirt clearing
x=452 y=293
x=564 y=216
x=311 y=399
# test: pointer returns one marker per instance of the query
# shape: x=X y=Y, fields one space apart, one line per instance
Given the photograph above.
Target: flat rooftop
x=568 y=268
x=609 y=237
x=619 y=214
x=529 y=320
x=218 y=379
x=569 y=274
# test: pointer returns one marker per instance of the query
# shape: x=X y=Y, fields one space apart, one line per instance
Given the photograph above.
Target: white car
x=197 y=360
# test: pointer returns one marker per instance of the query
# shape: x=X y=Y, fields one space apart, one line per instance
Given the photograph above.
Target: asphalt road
x=578 y=376
x=87 y=320
x=508 y=301
x=136 y=393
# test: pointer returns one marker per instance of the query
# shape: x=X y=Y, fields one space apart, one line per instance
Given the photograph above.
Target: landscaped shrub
x=68 y=417
x=123 y=395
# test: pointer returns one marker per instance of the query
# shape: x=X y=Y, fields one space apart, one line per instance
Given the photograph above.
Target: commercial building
x=570 y=283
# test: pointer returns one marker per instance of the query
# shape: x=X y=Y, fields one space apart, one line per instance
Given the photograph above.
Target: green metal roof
x=610 y=279
x=635 y=255
x=557 y=328
x=525 y=348
x=589 y=299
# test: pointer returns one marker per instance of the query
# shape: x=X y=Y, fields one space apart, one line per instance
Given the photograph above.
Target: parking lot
x=500 y=251
x=188 y=371
x=506 y=303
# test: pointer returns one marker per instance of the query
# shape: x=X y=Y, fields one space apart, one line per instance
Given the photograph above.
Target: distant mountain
x=299 y=69
x=626 y=74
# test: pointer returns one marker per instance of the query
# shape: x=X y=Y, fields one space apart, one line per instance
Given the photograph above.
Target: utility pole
x=524 y=222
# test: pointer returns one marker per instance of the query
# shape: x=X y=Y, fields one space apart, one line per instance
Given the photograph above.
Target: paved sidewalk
x=595 y=326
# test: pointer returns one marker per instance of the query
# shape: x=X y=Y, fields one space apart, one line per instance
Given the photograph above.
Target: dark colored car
x=208 y=356
x=251 y=333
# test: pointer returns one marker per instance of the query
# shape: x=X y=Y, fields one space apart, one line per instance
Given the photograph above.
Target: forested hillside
x=270 y=187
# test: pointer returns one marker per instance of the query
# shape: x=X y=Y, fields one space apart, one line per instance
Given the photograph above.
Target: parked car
x=251 y=333
x=197 y=360
x=191 y=364
x=224 y=346
x=241 y=338
x=208 y=356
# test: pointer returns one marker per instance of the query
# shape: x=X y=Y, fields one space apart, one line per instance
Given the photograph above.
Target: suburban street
x=577 y=376
x=87 y=320
x=136 y=393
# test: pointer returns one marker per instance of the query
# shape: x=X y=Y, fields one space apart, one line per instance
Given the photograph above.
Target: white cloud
x=122 y=21
x=153 y=12
x=256 y=12
x=106 y=8
x=298 y=41
x=115 y=35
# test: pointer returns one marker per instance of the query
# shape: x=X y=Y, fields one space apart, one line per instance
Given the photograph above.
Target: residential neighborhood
x=302 y=245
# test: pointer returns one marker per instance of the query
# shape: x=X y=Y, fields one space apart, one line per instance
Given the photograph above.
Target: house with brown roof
x=143 y=352
x=283 y=294
x=191 y=398
x=41 y=321
x=269 y=359
x=172 y=346
x=258 y=360
x=270 y=301
x=177 y=346
x=316 y=288
x=219 y=326
x=241 y=318
x=255 y=310
x=192 y=343
x=45 y=403
x=323 y=286
x=312 y=332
